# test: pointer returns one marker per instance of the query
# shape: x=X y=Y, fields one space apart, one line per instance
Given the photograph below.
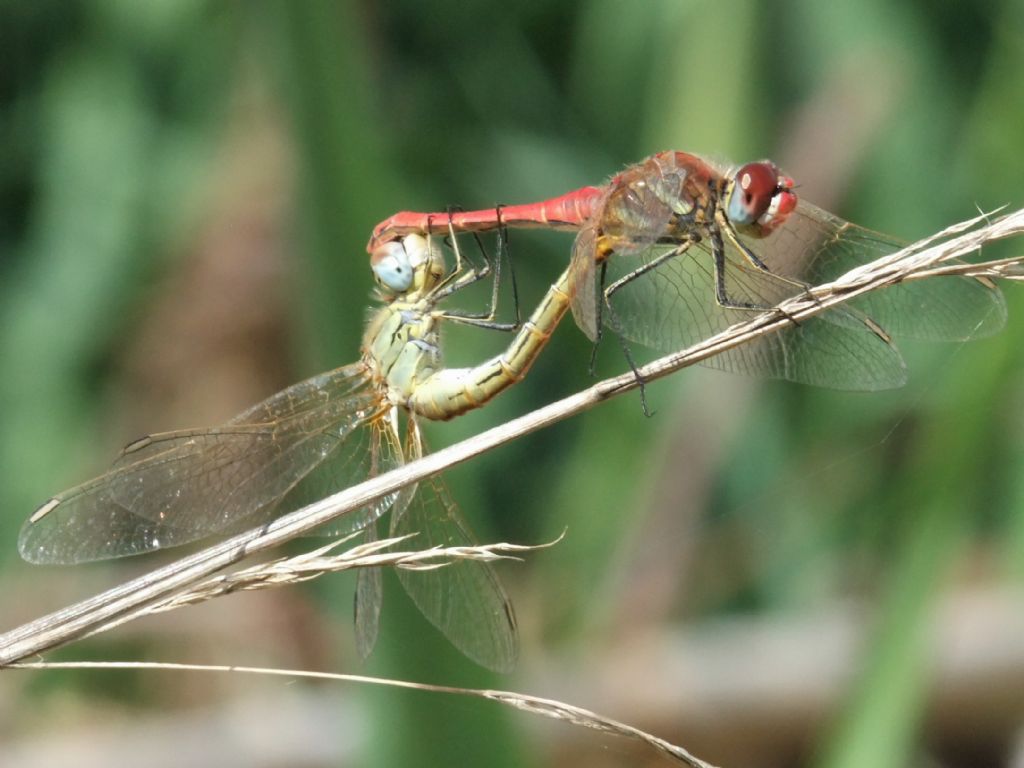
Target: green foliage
x=901 y=117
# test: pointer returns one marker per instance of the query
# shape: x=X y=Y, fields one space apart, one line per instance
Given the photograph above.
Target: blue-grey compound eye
x=391 y=267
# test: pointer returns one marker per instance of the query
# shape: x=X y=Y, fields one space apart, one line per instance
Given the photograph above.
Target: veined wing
x=815 y=246
x=463 y=599
x=630 y=218
x=368 y=600
x=583 y=289
x=176 y=487
x=372 y=449
x=673 y=306
x=369 y=581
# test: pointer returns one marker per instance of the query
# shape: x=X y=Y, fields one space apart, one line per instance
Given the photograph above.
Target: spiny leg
x=459 y=277
x=730 y=232
x=604 y=306
x=643 y=269
x=486 y=319
x=724 y=225
x=506 y=251
x=718 y=259
x=641 y=382
x=719 y=263
x=503 y=252
x=718 y=251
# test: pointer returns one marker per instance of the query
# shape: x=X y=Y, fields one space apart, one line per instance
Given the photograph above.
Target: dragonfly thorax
x=668 y=193
x=401 y=347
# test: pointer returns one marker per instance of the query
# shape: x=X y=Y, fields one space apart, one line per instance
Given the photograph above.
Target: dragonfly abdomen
x=452 y=391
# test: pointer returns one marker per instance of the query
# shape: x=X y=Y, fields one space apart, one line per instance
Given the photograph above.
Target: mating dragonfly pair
x=668 y=252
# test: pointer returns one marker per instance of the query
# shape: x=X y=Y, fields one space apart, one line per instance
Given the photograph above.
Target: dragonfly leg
x=641 y=382
x=460 y=276
x=450 y=210
x=721 y=296
x=503 y=253
x=483 y=319
x=605 y=306
x=480 y=322
x=724 y=225
x=486 y=320
x=643 y=269
x=606 y=293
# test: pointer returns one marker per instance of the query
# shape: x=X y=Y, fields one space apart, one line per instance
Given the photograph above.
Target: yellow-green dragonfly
x=319 y=436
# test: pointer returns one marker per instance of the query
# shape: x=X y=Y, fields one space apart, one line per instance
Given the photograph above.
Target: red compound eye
x=753 y=187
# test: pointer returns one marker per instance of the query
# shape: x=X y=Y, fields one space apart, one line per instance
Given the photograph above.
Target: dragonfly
x=319 y=436
x=675 y=249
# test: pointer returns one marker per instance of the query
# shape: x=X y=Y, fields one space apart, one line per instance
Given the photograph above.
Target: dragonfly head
x=411 y=264
x=759 y=196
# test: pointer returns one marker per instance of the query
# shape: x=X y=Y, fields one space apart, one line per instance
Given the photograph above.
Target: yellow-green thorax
x=401 y=342
x=401 y=348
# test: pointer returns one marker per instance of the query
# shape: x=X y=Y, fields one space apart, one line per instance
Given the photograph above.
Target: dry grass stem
x=286 y=571
x=310 y=565
x=550 y=708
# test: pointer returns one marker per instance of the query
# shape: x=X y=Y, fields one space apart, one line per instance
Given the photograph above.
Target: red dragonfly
x=675 y=249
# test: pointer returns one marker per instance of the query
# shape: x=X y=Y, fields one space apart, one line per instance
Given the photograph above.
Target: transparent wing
x=372 y=450
x=815 y=246
x=631 y=219
x=368 y=600
x=175 y=487
x=583 y=282
x=673 y=305
x=464 y=599
x=369 y=596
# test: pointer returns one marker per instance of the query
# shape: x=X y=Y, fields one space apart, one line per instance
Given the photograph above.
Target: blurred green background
x=766 y=573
